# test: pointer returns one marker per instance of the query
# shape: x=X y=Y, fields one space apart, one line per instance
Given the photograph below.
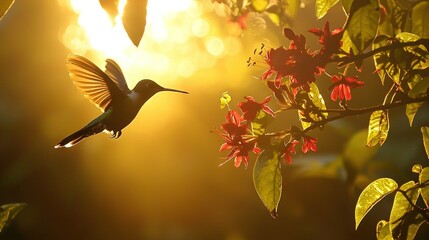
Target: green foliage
x=404 y=197
x=260 y=5
x=371 y=195
x=5 y=5
x=260 y=123
x=420 y=18
x=310 y=101
x=424 y=182
x=378 y=128
x=425 y=133
x=363 y=22
x=323 y=6
x=8 y=213
x=268 y=179
x=406 y=217
x=225 y=99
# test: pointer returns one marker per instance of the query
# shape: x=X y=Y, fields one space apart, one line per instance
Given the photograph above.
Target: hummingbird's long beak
x=174 y=90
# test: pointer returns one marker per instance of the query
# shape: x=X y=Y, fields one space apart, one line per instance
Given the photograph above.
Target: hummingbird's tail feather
x=78 y=136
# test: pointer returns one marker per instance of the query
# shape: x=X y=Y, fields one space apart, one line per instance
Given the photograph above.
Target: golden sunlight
x=178 y=39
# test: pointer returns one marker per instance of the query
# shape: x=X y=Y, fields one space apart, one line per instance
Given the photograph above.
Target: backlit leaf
x=371 y=195
x=134 y=19
x=363 y=22
x=383 y=231
x=314 y=100
x=8 y=213
x=267 y=179
x=411 y=224
x=418 y=89
x=398 y=15
x=381 y=59
x=420 y=19
x=322 y=7
x=292 y=7
x=347 y=5
x=348 y=44
x=260 y=123
x=417 y=168
x=401 y=206
x=260 y=5
x=5 y=5
x=425 y=133
x=378 y=128
x=424 y=184
x=225 y=99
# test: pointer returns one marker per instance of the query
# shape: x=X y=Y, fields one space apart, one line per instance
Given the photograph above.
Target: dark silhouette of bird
x=108 y=90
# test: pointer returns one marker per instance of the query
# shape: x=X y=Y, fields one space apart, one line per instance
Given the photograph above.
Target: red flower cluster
x=295 y=62
x=309 y=143
x=234 y=131
x=331 y=41
x=341 y=86
x=251 y=108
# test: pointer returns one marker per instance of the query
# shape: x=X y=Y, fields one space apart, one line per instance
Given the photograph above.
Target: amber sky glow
x=178 y=40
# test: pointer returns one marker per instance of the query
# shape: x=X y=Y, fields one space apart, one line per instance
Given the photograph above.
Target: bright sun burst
x=178 y=40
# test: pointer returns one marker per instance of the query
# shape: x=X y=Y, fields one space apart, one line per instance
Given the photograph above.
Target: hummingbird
x=109 y=91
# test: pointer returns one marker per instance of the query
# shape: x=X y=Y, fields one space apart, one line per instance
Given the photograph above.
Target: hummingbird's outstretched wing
x=95 y=84
x=115 y=73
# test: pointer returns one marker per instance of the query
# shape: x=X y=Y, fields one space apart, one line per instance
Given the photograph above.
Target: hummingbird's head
x=149 y=88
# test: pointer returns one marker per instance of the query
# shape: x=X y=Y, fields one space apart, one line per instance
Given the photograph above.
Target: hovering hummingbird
x=108 y=91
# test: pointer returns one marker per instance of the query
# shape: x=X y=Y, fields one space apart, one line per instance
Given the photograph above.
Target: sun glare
x=178 y=40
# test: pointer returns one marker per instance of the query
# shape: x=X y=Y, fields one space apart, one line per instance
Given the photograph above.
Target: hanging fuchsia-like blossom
x=309 y=143
x=289 y=150
x=251 y=108
x=341 y=86
x=234 y=133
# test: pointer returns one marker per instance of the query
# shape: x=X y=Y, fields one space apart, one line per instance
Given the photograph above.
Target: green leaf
x=401 y=206
x=417 y=168
x=363 y=22
x=267 y=178
x=411 y=111
x=5 y=5
x=347 y=5
x=313 y=100
x=275 y=18
x=424 y=184
x=419 y=87
x=398 y=15
x=348 y=44
x=260 y=5
x=260 y=123
x=381 y=59
x=411 y=224
x=420 y=19
x=371 y=195
x=383 y=231
x=356 y=154
x=322 y=7
x=378 y=128
x=225 y=99
x=425 y=133
x=134 y=19
x=8 y=213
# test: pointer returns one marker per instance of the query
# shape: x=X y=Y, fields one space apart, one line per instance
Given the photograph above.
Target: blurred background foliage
x=161 y=179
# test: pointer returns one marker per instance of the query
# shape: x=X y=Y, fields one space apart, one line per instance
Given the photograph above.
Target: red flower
x=296 y=62
x=288 y=150
x=241 y=20
x=331 y=41
x=275 y=59
x=341 y=86
x=309 y=144
x=234 y=135
x=251 y=108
